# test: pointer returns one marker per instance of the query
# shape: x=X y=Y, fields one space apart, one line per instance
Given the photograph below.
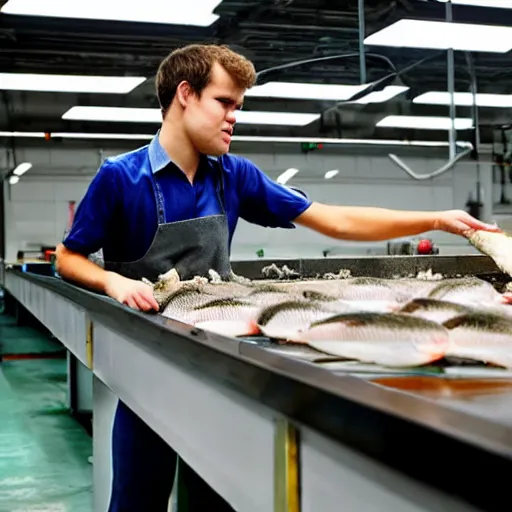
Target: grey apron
x=192 y=247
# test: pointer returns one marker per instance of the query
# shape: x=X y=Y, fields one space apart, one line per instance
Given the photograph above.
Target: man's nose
x=231 y=117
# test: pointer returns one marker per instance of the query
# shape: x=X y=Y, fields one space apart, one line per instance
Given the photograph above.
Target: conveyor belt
x=411 y=423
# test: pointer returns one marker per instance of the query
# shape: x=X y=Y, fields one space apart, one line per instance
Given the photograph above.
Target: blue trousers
x=143 y=471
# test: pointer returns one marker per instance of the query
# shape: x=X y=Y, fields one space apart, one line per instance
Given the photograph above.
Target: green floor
x=43 y=451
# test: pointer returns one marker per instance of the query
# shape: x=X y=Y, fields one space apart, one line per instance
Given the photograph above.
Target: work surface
x=396 y=418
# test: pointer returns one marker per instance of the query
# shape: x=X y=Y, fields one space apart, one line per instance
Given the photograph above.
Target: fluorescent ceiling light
x=197 y=12
x=22 y=168
x=424 y=123
x=153 y=115
x=244 y=138
x=69 y=83
x=465 y=99
x=13 y=180
x=442 y=35
x=382 y=96
x=503 y=4
x=325 y=92
x=286 y=176
x=275 y=118
x=35 y=135
x=330 y=174
x=117 y=114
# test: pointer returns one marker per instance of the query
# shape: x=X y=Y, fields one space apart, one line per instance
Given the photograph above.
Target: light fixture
x=330 y=174
x=465 y=99
x=386 y=94
x=22 y=168
x=424 y=123
x=286 y=176
x=69 y=83
x=114 y=114
x=324 y=92
x=244 y=138
x=153 y=115
x=443 y=36
x=197 y=13
x=502 y=4
x=13 y=180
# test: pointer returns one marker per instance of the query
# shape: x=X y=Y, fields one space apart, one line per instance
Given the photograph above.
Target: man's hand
x=134 y=294
x=461 y=223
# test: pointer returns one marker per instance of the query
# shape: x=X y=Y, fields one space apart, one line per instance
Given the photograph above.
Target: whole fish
x=230 y=317
x=467 y=291
x=371 y=288
x=438 y=311
x=180 y=302
x=484 y=337
x=268 y=295
x=385 y=339
x=284 y=320
x=497 y=245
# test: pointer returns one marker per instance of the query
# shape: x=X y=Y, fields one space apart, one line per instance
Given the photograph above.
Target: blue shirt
x=118 y=212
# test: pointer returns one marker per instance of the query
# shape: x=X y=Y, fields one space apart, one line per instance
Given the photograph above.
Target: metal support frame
x=362 y=56
x=454 y=157
x=286 y=467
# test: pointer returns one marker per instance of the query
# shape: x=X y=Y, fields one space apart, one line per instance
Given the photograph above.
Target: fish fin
x=454 y=322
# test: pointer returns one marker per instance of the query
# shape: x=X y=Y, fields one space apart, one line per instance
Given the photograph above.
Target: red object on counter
x=425 y=247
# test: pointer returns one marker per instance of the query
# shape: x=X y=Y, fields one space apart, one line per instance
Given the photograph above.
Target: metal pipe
x=476 y=121
x=451 y=85
x=362 y=56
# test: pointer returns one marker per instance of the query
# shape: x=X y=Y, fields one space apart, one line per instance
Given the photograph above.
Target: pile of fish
x=389 y=322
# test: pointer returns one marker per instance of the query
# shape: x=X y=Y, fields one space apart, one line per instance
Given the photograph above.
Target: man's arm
x=75 y=267
x=89 y=231
x=377 y=224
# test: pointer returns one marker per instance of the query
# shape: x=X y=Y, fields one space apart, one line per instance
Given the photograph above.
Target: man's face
x=210 y=119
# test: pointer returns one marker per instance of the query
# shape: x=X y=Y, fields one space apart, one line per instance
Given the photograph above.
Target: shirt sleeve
x=95 y=213
x=265 y=202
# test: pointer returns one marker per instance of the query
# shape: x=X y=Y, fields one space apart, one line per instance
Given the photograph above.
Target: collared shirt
x=119 y=214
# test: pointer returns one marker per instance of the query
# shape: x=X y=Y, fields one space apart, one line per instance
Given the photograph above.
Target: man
x=169 y=205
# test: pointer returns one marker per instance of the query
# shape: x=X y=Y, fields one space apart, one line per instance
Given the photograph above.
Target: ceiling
x=270 y=33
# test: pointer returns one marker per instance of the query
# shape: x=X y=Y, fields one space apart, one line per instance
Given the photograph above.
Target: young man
x=169 y=205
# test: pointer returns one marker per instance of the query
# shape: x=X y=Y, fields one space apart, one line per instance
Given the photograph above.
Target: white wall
x=36 y=207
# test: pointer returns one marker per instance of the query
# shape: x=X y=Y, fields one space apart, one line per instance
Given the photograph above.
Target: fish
x=496 y=245
x=284 y=320
x=230 y=317
x=386 y=339
x=371 y=288
x=267 y=295
x=183 y=300
x=481 y=336
x=438 y=311
x=469 y=291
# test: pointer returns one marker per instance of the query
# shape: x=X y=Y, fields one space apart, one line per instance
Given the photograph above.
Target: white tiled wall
x=37 y=207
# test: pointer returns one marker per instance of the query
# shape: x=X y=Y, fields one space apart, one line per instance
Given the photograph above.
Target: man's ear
x=184 y=93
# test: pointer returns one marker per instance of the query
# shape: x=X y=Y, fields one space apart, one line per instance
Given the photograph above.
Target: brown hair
x=193 y=63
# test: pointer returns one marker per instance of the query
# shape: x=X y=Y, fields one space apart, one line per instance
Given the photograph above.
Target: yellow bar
x=89 y=349
x=286 y=468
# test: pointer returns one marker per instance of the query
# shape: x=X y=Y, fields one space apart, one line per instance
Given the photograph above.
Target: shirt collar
x=158 y=158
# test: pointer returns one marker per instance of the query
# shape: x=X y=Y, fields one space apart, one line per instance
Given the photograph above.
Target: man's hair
x=193 y=63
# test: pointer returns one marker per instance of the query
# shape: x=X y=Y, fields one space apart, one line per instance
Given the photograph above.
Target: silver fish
x=467 y=291
x=284 y=320
x=438 y=311
x=482 y=337
x=267 y=295
x=231 y=317
x=385 y=339
x=180 y=302
x=498 y=246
